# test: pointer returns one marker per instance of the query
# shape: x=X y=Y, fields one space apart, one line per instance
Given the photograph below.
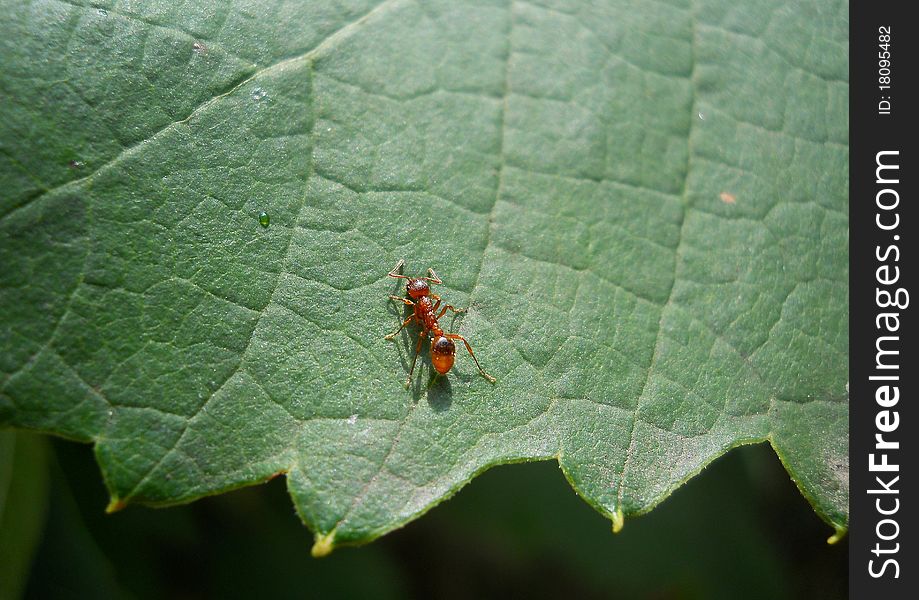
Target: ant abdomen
x=443 y=353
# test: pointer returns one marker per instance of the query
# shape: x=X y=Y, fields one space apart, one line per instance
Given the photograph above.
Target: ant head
x=443 y=351
x=417 y=288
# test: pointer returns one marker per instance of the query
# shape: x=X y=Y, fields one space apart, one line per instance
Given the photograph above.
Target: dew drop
x=259 y=94
x=102 y=12
x=352 y=419
x=701 y=116
x=264 y=219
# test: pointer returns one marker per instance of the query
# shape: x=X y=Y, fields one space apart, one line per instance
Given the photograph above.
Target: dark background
x=740 y=529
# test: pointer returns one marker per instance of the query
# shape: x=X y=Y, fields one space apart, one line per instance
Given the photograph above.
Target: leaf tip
x=618 y=520
x=837 y=536
x=114 y=505
x=323 y=545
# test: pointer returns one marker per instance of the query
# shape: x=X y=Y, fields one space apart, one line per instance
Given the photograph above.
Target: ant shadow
x=437 y=387
x=440 y=392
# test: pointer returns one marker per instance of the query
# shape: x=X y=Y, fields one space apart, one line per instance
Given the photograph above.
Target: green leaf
x=644 y=205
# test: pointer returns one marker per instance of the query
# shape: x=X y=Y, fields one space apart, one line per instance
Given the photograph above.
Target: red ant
x=443 y=350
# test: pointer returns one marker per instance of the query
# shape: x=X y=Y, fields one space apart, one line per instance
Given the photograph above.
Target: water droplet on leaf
x=259 y=94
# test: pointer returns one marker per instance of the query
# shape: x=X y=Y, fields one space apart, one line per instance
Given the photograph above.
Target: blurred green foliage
x=23 y=500
x=741 y=529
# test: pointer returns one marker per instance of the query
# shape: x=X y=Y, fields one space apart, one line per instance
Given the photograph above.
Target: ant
x=424 y=310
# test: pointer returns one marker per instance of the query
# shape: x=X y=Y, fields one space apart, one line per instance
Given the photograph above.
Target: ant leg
x=432 y=277
x=408 y=382
x=410 y=318
x=456 y=336
x=446 y=308
x=401 y=299
x=453 y=308
x=395 y=270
